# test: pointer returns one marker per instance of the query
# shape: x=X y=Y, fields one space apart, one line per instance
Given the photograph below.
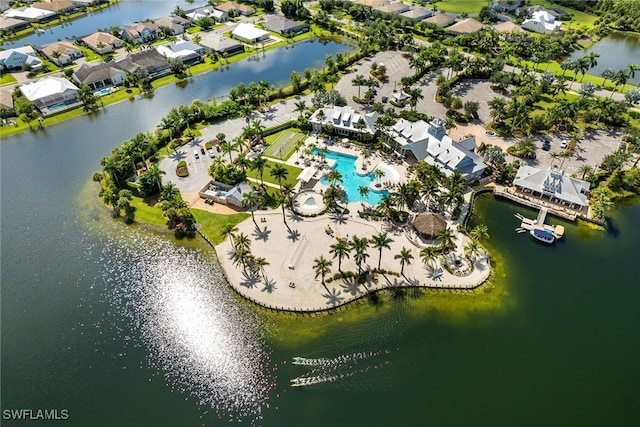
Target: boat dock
x=531 y=225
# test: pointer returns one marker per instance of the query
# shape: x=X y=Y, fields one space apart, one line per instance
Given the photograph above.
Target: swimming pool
x=102 y=92
x=351 y=181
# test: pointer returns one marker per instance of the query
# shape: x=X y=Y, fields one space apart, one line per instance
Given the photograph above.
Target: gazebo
x=428 y=224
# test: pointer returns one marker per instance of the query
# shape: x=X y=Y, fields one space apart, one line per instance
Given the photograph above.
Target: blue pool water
x=102 y=92
x=351 y=181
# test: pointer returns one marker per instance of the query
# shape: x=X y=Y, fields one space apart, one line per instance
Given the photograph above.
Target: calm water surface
x=124 y=12
x=122 y=328
x=616 y=51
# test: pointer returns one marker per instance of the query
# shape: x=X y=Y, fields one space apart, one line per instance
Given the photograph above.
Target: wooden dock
x=528 y=225
x=526 y=201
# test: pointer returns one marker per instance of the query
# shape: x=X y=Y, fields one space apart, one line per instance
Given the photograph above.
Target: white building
x=553 y=184
x=248 y=33
x=50 y=91
x=344 y=121
x=12 y=59
x=31 y=14
x=541 y=22
x=185 y=51
x=428 y=142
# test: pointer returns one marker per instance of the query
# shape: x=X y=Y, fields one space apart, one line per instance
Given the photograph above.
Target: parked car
x=196 y=154
x=202 y=150
x=212 y=154
x=385 y=99
x=546 y=145
x=563 y=144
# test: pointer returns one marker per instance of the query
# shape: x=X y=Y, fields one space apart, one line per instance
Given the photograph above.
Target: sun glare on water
x=197 y=336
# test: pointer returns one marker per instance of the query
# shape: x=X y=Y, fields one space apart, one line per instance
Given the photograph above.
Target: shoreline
x=271 y=290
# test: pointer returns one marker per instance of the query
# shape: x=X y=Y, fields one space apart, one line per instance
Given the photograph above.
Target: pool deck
x=291 y=255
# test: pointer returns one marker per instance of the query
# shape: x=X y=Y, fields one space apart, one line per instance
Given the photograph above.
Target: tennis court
x=284 y=144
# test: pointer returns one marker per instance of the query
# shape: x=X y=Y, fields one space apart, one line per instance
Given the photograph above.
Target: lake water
x=121 y=328
x=616 y=51
x=124 y=12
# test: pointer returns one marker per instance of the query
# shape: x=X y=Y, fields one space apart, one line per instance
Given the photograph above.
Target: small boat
x=543 y=236
x=300 y=382
x=39 y=31
x=299 y=361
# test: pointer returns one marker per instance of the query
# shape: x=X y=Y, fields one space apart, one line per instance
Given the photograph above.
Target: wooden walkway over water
x=535 y=203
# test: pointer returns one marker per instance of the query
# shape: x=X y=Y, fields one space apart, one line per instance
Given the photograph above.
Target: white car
x=563 y=144
x=211 y=153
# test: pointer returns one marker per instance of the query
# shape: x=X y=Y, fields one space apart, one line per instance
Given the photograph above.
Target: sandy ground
x=478 y=131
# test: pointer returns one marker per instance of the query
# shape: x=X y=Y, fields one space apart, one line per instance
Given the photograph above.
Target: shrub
x=181 y=169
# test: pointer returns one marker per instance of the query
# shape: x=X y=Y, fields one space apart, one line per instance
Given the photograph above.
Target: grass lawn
x=148 y=214
x=211 y=223
x=89 y=54
x=287 y=139
x=580 y=18
x=7 y=79
x=461 y=6
x=291 y=176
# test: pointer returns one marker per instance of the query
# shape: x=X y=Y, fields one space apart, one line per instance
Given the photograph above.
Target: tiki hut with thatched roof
x=428 y=224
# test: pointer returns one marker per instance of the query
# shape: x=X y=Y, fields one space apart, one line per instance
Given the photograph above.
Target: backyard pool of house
x=351 y=181
x=103 y=92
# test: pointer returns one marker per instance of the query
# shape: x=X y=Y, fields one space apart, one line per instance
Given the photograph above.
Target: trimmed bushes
x=181 y=169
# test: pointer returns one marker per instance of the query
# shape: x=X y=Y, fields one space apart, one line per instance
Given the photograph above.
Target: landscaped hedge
x=181 y=169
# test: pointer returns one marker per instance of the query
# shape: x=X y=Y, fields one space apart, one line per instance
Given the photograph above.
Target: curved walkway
x=291 y=253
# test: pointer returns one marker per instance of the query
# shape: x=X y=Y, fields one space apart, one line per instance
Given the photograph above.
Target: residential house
x=248 y=33
x=344 y=121
x=429 y=142
x=61 y=53
x=553 y=184
x=12 y=25
x=504 y=6
x=208 y=11
x=50 y=91
x=99 y=76
x=6 y=103
x=285 y=26
x=18 y=58
x=61 y=7
x=173 y=25
x=5 y=5
x=374 y=3
x=102 y=42
x=417 y=13
x=183 y=50
x=441 y=20
x=508 y=27
x=146 y=63
x=31 y=14
x=140 y=32
x=541 y=22
x=85 y=3
x=395 y=8
x=235 y=8
x=466 y=26
x=221 y=44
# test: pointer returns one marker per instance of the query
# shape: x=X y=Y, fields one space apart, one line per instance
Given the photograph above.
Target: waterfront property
x=542 y=22
x=99 y=76
x=207 y=11
x=429 y=142
x=344 y=121
x=221 y=44
x=184 y=50
x=50 y=92
x=249 y=33
x=145 y=63
x=141 y=32
x=101 y=42
x=11 y=25
x=236 y=8
x=19 y=57
x=285 y=26
x=174 y=24
x=554 y=185
x=59 y=7
x=31 y=14
x=61 y=53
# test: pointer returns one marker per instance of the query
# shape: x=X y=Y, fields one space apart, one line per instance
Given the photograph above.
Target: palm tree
x=582 y=66
x=620 y=78
x=364 y=192
x=405 y=256
x=378 y=173
x=279 y=172
x=340 y=249
x=155 y=173
x=585 y=170
x=249 y=200
x=229 y=230
x=472 y=248
x=321 y=117
x=592 y=60
x=260 y=263
x=334 y=176
x=479 y=232
x=428 y=254
x=359 y=81
x=415 y=95
x=567 y=64
x=300 y=107
x=359 y=246
x=381 y=241
x=321 y=268
x=498 y=109
x=259 y=164
x=281 y=198
x=447 y=237
x=606 y=75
